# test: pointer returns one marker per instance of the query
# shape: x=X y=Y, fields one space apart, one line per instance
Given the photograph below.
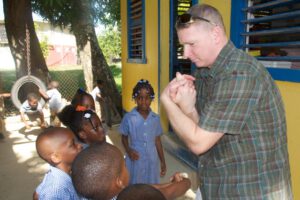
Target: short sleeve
x=124 y=126
x=23 y=107
x=233 y=99
x=159 y=130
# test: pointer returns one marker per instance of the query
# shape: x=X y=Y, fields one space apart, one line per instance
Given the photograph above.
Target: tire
x=33 y=84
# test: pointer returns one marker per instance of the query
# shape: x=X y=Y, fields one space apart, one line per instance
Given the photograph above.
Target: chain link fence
x=70 y=79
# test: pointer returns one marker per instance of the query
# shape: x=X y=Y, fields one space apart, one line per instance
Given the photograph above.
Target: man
x=233 y=117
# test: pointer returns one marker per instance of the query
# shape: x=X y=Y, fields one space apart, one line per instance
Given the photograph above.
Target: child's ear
x=82 y=134
x=120 y=183
x=55 y=158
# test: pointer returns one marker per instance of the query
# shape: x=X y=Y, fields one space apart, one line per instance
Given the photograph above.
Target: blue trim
x=292 y=75
x=136 y=60
x=128 y=29
x=144 y=33
x=238 y=28
x=143 y=60
x=237 y=16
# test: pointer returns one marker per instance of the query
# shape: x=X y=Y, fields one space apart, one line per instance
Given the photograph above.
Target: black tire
x=33 y=84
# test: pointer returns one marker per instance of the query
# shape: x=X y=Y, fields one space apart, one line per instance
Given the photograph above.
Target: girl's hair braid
x=143 y=84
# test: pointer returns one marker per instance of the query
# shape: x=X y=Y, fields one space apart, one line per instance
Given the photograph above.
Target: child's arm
x=44 y=94
x=133 y=155
x=23 y=119
x=159 y=148
x=176 y=188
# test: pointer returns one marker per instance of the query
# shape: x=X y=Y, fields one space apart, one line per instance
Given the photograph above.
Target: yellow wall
x=165 y=46
x=133 y=72
x=291 y=96
x=224 y=7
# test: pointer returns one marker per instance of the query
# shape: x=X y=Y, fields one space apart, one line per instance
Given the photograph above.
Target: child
x=32 y=108
x=84 y=99
x=2 y=96
x=85 y=124
x=99 y=173
x=55 y=101
x=98 y=96
x=143 y=129
x=57 y=147
x=140 y=191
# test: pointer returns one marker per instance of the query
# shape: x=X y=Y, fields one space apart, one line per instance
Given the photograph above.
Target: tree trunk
x=91 y=55
x=18 y=16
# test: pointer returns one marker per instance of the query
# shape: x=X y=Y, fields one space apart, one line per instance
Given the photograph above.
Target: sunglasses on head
x=187 y=19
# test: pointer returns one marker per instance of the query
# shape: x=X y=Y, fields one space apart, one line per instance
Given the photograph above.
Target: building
x=268 y=30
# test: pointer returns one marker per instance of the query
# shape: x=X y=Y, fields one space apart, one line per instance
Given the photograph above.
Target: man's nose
x=186 y=52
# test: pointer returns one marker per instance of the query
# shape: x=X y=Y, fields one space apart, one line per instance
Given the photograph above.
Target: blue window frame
x=270 y=31
x=136 y=31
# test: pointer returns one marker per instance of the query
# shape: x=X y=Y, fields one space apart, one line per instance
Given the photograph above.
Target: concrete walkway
x=21 y=170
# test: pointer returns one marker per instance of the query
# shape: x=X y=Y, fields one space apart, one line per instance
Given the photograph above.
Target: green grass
x=70 y=78
x=66 y=75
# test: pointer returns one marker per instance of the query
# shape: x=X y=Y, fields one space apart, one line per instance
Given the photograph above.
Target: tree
x=81 y=16
x=110 y=43
x=18 y=18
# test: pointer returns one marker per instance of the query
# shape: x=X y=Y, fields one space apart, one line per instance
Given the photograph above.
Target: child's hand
x=163 y=169
x=27 y=127
x=133 y=155
x=177 y=177
x=43 y=125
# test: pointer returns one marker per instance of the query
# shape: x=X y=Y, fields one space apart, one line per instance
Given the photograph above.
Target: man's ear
x=217 y=34
x=55 y=158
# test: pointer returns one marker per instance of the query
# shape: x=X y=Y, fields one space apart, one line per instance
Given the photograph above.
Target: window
x=177 y=62
x=270 y=31
x=136 y=32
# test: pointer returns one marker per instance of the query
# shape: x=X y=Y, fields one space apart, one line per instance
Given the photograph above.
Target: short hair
x=94 y=170
x=143 y=84
x=207 y=12
x=141 y=191
x=32 y=96
x=44 y=148
x=74 y=119
x=54 y=84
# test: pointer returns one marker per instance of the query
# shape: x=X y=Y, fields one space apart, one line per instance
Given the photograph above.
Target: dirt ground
x=21 y=170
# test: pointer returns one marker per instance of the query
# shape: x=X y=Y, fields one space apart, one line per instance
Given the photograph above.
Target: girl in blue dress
x=141 y=130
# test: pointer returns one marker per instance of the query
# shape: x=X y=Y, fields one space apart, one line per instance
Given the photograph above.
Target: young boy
x=53 y=96
x=57 y=147
x=32 y=108
x=98 y=96
x=99 y=172
x=140 y=191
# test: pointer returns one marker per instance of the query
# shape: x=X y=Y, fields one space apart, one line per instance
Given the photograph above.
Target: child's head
x=33 y=100
x=53 y=84
x=85 y=124
x=143 y=94
x=84 y=99
x=99 y=172
x=100 y=84
x=57 y=146
x=141 y=191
